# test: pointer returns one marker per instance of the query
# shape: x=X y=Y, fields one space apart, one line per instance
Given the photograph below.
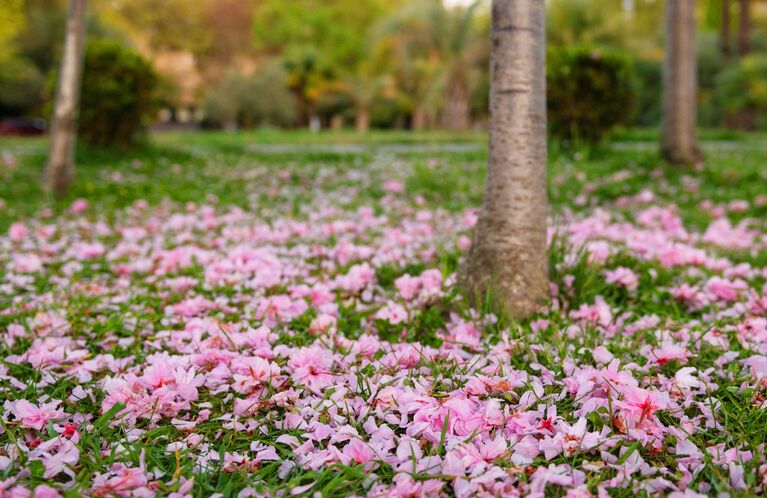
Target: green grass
x=447 y=169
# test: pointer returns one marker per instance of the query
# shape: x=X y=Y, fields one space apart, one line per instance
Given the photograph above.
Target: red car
x=23 y=127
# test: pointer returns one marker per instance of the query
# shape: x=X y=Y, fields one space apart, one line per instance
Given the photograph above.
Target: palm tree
x=507 y=260
x=363 y=87
x=744 y=27
x=724 y=30
x=678 y=142
x=59 y=172
x=460 y=49
x=432 y=51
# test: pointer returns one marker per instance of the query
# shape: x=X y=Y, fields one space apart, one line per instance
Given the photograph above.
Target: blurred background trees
x=388 y=63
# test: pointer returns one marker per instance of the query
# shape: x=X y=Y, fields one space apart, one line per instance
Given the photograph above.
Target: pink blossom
x=45 y=491
x=408 y=286
x=312 y=368
x=79 y=206
x=120 y=481
x=34 y=416
x=641 y=403
x=598 y=313
x=17 y=231
x=27 y=263
x=393 y=313
x=483 y=451
x=358 y=451
x=724 y=289
x=623 y=277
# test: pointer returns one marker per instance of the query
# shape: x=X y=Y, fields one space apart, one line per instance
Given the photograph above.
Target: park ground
x=272 y=312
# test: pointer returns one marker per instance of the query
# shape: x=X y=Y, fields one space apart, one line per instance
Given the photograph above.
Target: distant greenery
x=377 y=63
x=117 y=96
x=589 y=92
x=447 y=169
x=258 y=100
x=742 y=92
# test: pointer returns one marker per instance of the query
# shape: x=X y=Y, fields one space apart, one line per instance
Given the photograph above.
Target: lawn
x=271 y=313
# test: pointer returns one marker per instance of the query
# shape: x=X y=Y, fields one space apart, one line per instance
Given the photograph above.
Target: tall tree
x=724 y=33
x=508 y=260
x=59 y=171
x=678 y=142
x=363 y=85
x=744 y=27
x=11 y=23
x=433 y=51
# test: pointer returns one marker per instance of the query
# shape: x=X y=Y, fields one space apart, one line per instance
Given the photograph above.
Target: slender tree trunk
x=508 y=257
x=745 y=119
x=744 y=27
x=419 y=118
x=363 y=119
x=59 y=172
x=456 y=112
x=724 y=33
x=680 y=86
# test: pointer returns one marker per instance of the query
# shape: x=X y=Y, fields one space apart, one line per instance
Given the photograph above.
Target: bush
x=259 y=100
x=589 y=93
x=742 y=92
x=21 y=86
x=711 y=63
x=649 y=84
x=117 y=96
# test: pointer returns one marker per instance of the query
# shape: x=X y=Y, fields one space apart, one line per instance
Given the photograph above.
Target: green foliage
x=434 y=55
x=634 y=27
x=589 y=92
x=117 y=94
x=711 y=63
x=21 y=85
x=582 y=22
x=649 y=82
x=15 y=73
x=28 y=59
x=42 y=37
x=337 y=30
x=259 y=100
x=11 y=22
x=169 y=24
x=742 y=92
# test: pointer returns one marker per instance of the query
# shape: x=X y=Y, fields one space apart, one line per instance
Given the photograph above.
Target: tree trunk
x=59 y=172
x=744 y=28
x=508 y=258
x=724 y=33
x=363 y=120
x=419 y=118
x=678 y=142
x=456 y=111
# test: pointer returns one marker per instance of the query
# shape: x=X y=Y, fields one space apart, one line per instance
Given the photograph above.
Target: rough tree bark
x=508 y=258
x=60 y=169
x=724 y=33
x=678 y=142
x=744 y=27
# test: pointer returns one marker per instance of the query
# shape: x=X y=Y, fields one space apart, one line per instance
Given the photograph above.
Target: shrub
x=117 y=94
x=247 y=101
x=21 y=85
x=589 y=93
x=711 y=63
x=649 y=84
x=742 y=92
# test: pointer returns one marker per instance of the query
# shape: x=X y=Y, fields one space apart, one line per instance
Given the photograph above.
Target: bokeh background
x=332 y=64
